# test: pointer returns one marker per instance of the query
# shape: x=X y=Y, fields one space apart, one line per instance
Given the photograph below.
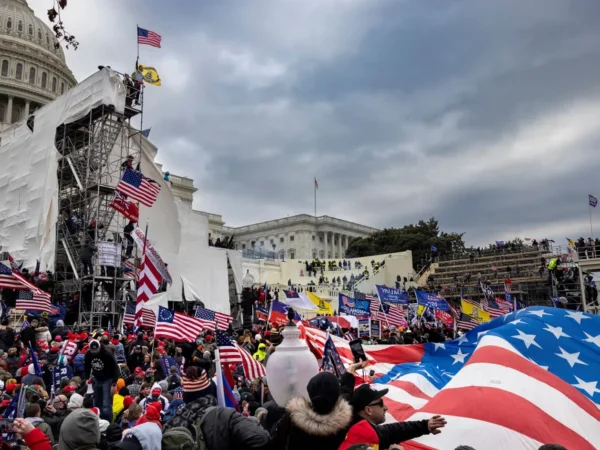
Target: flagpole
x=138 y=45
x=220 y=389
x=591 y=228
x=315 y=189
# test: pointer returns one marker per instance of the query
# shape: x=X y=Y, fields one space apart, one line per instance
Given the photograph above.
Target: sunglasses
x=377 y=403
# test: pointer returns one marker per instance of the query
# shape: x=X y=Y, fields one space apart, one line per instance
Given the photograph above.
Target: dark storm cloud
x=478 y=113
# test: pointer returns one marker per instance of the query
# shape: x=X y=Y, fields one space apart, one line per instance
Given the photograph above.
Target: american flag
x=177 y=326
x=148 y=284
x=138 y=187
x=148 y=37
x=148 y=317
x=30 y=296
x=130 y=270
x=497 y=307
x=230 y=352
x=395 y=316
x=212 y=319
x=466 y=322
x=538 y=362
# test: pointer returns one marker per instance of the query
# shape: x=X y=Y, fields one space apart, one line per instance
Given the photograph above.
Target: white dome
x=33 y=70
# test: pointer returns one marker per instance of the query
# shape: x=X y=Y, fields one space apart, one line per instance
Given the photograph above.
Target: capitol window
x=20 y=26
x=62 y=88
x=30 y=30
x=9 y=23
x=47 y=39
x=39 y=34
x=313 y=237
x=281 y=240
x=4 y=71
x=44 y=79
x=32 y=76
x=53 y=84
x=262 y=243
x=2 y=111
x=291 y=238
x=19 y=73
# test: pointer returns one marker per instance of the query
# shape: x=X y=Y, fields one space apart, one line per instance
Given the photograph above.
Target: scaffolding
x=92 y=152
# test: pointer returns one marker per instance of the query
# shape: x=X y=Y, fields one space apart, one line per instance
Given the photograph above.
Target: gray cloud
x=478 y=113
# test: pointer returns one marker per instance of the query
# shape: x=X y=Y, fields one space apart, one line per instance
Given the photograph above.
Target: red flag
x=125 y=207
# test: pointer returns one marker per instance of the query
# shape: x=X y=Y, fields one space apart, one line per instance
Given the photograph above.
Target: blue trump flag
x=332 y=362
x=35 y=362
x=354 y=307
x=391 y=295
x=433 y=248
x=432 y=301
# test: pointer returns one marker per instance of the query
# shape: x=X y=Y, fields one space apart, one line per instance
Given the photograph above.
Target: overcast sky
x=484 y=114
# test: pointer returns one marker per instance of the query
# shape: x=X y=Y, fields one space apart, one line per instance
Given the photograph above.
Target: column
x=325 y=243
x=9 y=108
x=26 y=109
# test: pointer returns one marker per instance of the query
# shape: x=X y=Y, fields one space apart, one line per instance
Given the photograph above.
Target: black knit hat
x=324 y=392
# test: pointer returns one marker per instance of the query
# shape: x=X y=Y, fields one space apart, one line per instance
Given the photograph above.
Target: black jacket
x=28 y=336
x=302 y=428
x=103 y=365
x=7 y=338
x=226 y=429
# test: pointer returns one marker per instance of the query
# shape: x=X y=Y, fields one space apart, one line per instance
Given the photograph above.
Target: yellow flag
x=420 y=310
x=474 y=311
x=150 y=75
x=571 y=243
x=324 y=307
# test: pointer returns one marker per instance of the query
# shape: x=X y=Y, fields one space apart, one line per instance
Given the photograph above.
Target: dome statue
x=33 y=70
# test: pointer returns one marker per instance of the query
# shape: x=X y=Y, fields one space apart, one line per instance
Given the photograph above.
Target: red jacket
x=37 y=440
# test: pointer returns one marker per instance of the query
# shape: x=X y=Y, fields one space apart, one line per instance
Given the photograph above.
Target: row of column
x=9 y=110
x=335 y=246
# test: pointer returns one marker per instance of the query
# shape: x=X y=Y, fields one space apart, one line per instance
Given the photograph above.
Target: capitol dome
x=33 y=71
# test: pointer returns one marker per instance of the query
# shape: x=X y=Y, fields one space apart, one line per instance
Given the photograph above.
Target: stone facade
x=32 y=71
x=299 y=237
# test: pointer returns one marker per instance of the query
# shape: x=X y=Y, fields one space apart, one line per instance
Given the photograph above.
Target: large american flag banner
x=212 y=319
x=148 y=37
x=148 y=316
x=230 y=352
x=138 y=187
x=30 y=297
x=177 y=326
x=130 y=270
x=519 y=381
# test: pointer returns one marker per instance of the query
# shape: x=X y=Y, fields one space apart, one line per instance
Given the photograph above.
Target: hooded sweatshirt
x=75 y=402
x=155 y=398
x=148 y=434
x=102 y=365
x=79 y=429
x=261 y=353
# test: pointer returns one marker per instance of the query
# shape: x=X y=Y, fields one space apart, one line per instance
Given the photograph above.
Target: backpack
x=180 y=438
x=190 y=418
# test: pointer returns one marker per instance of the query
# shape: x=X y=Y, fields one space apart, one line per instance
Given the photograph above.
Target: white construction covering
x=28 y=167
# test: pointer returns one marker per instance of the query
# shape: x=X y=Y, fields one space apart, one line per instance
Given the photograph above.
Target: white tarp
x=235 y=260
x=28 y=167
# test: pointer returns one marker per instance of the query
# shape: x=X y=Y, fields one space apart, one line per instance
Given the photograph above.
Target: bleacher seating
x=452 y=275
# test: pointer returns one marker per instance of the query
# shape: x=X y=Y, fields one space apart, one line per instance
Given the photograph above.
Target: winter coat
x=37 y=440
x=226 y=429
x=28 y=336
x=7 y=338
x=42 y=334
x=148 y=434
x=302 y=428
x=39 y=423
x=80 y=429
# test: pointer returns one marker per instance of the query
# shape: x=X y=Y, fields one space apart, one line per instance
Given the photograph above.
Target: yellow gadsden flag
x=150 y=75
x=324 y=307
x=474 y=311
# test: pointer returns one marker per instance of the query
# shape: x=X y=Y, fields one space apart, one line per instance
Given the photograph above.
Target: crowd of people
x=134 y=391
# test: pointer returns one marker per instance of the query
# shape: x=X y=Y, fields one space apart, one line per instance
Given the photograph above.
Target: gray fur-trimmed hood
x=303 y=417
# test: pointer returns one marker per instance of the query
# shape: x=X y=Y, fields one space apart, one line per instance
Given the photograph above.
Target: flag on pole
x=147 y=286
x=148 y=37
x=316 y=184
x=230 y=352
x=331 y=359
x=149 y=75
x=229 y=400
x=177 y=326
x=148 y=317
x=138 y=187
x=212 y=319
x=592 y=200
